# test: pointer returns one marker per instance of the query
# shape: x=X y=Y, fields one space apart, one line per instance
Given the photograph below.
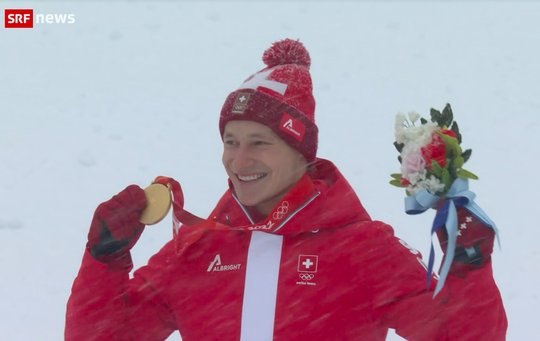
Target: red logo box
x=292 y=126
x=18 y=18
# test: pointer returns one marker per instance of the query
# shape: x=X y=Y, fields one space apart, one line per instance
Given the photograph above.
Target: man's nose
x=243 y=158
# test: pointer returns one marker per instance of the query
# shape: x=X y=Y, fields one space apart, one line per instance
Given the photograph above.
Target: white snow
x=133 y=90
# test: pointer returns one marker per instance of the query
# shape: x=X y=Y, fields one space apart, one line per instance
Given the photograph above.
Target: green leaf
x=447 y=115
x=399 y=159
x=445 y=178
x=466 y=155
x=399 y=146
x=452 y=146
x=436 y=116
x=465 y=174
x=437 y=170
x=455 y=129
x=423 y=120
x=396 y=176
x=458 y=162
x=396 y=183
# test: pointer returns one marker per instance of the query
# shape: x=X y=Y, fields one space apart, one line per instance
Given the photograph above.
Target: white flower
x=413 y=116
x=413 y=137
x=400 y=121
x=432 y=184
x=419 y=182
x=416 y=178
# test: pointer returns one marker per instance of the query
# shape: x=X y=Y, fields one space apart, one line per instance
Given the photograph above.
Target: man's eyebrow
x=260 y=136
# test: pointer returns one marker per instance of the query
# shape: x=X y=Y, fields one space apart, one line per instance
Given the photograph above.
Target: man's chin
x=248 y=203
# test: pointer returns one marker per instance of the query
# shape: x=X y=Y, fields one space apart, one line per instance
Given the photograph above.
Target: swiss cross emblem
x=308 y=263
x=240 y=103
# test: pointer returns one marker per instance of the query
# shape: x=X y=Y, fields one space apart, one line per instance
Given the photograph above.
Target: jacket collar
x=321 y=199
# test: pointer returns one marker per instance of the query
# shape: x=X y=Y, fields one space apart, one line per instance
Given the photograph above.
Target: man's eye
x=260 y=143
x=229 y=142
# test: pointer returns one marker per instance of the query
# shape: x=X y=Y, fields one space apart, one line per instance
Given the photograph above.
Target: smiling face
x=261 y=166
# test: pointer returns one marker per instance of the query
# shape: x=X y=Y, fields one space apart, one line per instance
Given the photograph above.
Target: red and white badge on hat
x=292 y=126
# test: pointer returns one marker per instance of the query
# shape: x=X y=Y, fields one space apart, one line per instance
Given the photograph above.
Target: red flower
x=435 y=151
x=405 y=182
x=449 y=133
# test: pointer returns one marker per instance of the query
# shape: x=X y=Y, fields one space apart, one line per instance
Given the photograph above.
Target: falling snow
x=133 y=90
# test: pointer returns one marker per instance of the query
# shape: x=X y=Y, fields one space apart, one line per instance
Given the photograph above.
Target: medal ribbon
x=194 y=227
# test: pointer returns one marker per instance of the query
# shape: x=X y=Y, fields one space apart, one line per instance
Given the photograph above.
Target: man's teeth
x=250 y=177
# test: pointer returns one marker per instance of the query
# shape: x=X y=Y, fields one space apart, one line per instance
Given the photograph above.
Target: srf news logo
x=24 y=18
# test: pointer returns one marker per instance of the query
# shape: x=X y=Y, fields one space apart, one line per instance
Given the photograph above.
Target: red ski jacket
x=317 y=268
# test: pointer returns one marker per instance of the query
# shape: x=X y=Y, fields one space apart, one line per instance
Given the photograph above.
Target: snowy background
x=133 y=90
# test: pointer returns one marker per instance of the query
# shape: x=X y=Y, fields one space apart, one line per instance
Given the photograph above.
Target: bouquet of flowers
x=430 y=153
x=433 y=176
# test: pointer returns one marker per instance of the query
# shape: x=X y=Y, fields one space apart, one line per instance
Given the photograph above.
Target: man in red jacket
x=288 y=253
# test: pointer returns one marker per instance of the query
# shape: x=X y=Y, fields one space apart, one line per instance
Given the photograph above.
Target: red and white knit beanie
x=280 y=97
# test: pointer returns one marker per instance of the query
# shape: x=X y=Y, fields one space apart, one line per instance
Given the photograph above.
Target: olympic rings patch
x=281 y=211
x=306 y=277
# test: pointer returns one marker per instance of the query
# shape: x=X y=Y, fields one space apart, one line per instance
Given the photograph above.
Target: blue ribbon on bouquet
x=458 y=196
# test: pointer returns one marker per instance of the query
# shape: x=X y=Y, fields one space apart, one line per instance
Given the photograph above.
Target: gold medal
x=158 y=203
